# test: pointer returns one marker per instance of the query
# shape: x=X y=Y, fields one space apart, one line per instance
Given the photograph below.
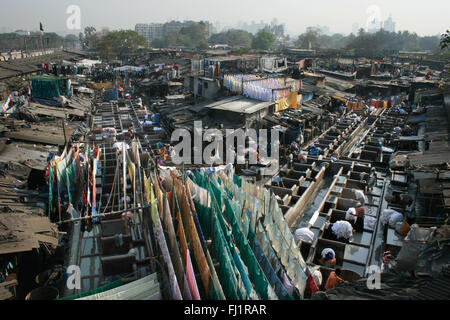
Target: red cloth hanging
x=312 y=285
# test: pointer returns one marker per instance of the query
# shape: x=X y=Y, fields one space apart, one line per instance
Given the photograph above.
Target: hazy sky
x=424 y=17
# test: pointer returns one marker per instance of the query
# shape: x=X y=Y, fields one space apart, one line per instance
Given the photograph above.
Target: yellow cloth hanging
x=285 y=103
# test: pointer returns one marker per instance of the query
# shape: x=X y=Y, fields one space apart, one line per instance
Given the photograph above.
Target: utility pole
x=26 y=46
x=64 y=127
x=42 y=43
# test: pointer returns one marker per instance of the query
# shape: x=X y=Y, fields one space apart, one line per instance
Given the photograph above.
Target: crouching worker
x=334 y=279
x=356 y=217
x=328 y=258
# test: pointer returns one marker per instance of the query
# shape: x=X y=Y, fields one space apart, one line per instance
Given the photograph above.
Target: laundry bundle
x=304 y=234
x=391 y=217
x=342 y=229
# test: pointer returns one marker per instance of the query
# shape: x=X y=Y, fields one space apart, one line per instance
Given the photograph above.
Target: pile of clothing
x=391 y=217
x=342 y=229
x=304 y=234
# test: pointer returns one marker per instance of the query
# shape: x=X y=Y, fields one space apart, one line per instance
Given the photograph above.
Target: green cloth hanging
x=101 y=289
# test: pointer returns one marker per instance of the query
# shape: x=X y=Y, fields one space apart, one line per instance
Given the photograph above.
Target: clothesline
x=103 y=215
x=263 y=89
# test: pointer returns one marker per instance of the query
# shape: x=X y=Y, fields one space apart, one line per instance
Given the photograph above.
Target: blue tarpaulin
x=112 y=94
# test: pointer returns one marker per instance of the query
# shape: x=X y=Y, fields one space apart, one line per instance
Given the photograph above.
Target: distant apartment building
x=389 y=25
x=252 y=27
x=211 y=28
x=174 y=26
x=153 y=31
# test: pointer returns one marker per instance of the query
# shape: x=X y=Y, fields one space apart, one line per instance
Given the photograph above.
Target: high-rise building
x=150 y=31
x=355 y=28
x=211 y=28
x=374 y=25
x=174 y=26
x=389 y=24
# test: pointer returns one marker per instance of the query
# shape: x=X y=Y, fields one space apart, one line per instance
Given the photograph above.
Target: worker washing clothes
x=291 y=161
x=350 y=215
x=315 y=151
x=278 y=181
x=340 y=231
x=356 y=217
x=130 y=132
x=359 y=196
x=333 y=279
x=139 y=102
x=398 y=130
x=294 y=147
x=372 y=180
x=325 y=165
x=328 y=258
x=410 y=212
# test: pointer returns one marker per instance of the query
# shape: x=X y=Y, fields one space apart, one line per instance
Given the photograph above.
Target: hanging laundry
x=290 y=102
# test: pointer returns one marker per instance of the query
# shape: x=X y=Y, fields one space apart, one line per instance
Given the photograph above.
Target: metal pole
x=124 y=172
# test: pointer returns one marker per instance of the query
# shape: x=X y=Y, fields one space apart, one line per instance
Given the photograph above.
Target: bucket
x=43 y=293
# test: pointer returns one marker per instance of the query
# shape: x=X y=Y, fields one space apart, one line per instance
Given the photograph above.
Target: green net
x=47 y=86
x=101 y=289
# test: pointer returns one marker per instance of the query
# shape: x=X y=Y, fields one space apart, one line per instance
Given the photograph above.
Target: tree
x=195 y=35
x=311 y=39
x=89 y=31
x=336 y=41
x=233 y=38
x=89 y=36
x=70 y=40
x=430 y=43
x=120 y=43
x=263 y=40
x=445 y=40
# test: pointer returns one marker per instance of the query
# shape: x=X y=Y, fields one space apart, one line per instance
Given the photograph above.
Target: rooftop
x=240 y=104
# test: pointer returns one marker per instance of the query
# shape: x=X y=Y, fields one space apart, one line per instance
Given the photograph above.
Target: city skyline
x=334 y=16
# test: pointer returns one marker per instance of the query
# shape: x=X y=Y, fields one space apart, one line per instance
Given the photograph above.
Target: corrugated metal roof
x=240 y=105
